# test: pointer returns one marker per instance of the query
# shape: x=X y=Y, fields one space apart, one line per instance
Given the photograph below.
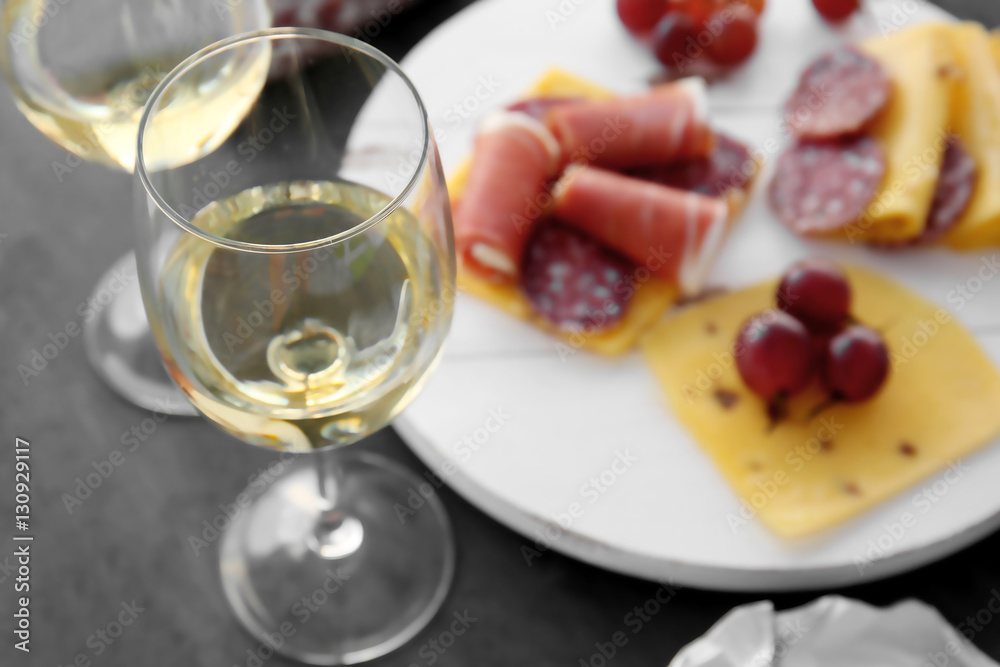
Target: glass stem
x=328 y=474
x=336 y=535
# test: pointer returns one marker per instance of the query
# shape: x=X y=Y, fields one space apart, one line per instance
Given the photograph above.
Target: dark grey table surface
x=128 y=542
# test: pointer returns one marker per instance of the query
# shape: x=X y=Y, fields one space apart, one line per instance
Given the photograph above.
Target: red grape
x=774 y=355
x=816 y=292
x=736 y=38
x=857 y=363
x=670 y=40
x=836 y=10
x=697 y=10
x=756 y=6
x=640 y=16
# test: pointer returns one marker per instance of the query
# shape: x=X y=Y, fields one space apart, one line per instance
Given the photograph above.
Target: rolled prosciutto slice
x=668 y=123
x=675 y=234
x=514 y=160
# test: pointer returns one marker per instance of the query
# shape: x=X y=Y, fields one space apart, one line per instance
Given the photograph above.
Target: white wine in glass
x=299 y=281
x=81 y=73
x=306 y=348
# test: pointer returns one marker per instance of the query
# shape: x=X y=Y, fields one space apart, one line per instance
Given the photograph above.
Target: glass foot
x=120 y=345
x=342 y=581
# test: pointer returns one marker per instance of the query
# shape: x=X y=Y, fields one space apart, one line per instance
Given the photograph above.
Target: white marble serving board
x=667 y=514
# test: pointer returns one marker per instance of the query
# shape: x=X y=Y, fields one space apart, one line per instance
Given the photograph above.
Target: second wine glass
x=81 y=72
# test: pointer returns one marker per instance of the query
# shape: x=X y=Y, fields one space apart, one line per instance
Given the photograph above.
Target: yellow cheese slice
x=813 y=472
x=976 y=122
x=556 y=82
x=911 y=129
x=650 y=297
x=995 y=45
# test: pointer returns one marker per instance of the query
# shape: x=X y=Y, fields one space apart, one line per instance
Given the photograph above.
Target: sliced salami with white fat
x=573 y=281
x=953 y=193
x=820 y=188
x=728 y=166
x=837 y=95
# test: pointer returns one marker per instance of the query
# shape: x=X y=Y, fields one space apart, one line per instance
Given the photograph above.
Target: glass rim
x=271 y=34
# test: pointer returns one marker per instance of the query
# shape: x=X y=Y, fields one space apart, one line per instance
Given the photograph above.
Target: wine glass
x=81 y=72
x=299 y=282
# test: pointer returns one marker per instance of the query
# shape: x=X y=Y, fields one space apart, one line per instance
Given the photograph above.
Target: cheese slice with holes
x=976 y=122
x=811 y=473
x=912 y=130
x=650 y=299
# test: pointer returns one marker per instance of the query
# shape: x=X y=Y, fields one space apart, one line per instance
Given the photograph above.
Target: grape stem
x=777 y=410
x=824 y=405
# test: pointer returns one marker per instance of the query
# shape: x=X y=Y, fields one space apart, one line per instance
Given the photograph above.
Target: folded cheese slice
x=976 y=122
x=912 y=129
x=812 y=472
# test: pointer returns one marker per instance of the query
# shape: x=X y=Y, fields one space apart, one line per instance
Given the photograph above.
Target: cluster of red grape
x=683 y=31
x=812 y=330
x=721 y=32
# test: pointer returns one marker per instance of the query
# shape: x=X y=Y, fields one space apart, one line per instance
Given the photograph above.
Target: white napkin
x=832 y=631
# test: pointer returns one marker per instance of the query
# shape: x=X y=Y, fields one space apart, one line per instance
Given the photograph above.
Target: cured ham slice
x=666 y=124
x=673 y=233
x=506 y=193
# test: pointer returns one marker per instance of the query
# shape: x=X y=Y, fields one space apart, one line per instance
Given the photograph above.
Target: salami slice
x=725 y=168
x=571 y=279
x=537 y=107
x=820 y=188
x=514 y=160
x=674 y=234
x=837 y=95
x=668 y=123
x=953 y=193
